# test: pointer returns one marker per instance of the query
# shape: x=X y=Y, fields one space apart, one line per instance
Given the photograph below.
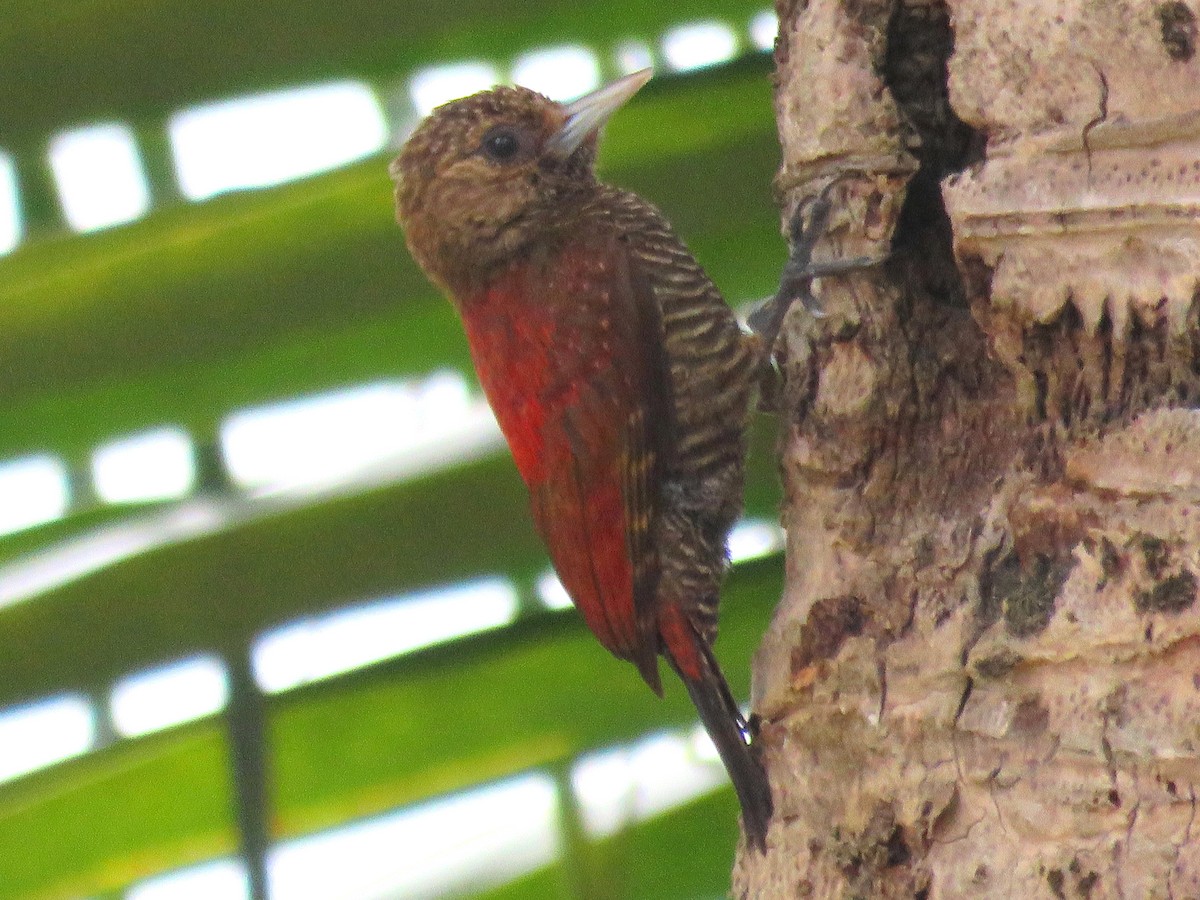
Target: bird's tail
x=692 y=657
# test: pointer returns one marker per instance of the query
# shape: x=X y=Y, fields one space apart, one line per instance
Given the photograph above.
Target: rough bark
x=983 y=679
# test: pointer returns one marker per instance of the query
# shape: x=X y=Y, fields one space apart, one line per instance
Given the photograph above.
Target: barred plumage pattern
x=712 y=366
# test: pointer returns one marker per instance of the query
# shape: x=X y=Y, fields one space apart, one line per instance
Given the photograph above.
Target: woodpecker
x=620 y=377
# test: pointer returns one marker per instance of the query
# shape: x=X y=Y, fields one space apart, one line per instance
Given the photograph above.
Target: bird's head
x=484 y=177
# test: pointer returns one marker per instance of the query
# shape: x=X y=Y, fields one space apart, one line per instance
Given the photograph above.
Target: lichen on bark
x=983 y=678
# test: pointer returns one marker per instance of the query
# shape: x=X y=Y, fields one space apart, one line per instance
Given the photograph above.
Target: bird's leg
x=795 y=283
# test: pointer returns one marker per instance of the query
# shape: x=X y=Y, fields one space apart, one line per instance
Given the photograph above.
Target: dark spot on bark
x=977 y=276
x=1031 y=718
x=1111 y=563
x=870 y=859
x=922 y=894
x=849 y=860
x=962 y=701
x=1173 y=594
x=1171 y=789
x=981 y=874
x=991 y=605
x=897 y=849
x=1178 y=30
x=923 y=555
x=1114 y=798
x=1029 y=608
x=1042 y=383
x=830 y=622
x=1157 y=555
x=998 y=664
x=1056 y=880
x=1086 y=884
x=1113 y=708
x=1025 y=595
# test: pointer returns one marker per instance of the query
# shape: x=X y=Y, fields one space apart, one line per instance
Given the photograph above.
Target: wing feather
x=570 y=354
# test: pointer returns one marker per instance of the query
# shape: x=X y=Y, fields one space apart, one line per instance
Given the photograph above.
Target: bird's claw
x=795 y=282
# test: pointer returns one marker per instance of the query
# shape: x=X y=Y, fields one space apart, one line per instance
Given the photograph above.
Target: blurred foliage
x=141 y=61
x=199 y=310
x=443 y=720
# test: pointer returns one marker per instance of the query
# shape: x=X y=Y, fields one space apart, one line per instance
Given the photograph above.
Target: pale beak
x=587 y=115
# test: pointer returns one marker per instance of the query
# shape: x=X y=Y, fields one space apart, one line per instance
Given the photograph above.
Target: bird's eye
x=501 y=144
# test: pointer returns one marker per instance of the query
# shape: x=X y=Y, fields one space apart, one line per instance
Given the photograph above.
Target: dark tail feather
x=729 y=732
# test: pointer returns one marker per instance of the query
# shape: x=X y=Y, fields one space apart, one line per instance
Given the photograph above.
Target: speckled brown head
x=483 y=178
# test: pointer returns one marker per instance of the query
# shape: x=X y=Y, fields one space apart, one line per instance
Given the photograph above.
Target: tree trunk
x=983 y=679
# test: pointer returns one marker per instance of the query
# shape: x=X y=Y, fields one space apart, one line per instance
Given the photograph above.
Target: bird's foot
x=795 y=282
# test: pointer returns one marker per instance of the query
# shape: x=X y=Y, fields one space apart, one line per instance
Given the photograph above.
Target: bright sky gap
x=633 y=56
x=353 y=637
x=270 y=139
x=763 y=29
x=320 y=437
x=437 y=423
x=43 y=733
x=221 y=879
x=431 y=87
x=151 y=465
x=33 y=490
x=699 y=45
x=100 y=178
x=10 y=205
x=464 y=842
x=561 y=73
x=170 y=695
x=619 y=786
